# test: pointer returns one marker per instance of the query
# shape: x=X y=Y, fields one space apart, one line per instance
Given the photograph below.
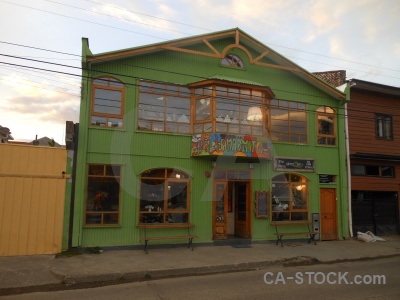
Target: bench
x=309 y=233
x=146 y=238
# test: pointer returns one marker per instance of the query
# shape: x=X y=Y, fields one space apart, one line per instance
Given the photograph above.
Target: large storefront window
x=164 y=107
x=107 y=102
x=287 y=121
x=103 y=194
x=164 y=196
x=289 y=198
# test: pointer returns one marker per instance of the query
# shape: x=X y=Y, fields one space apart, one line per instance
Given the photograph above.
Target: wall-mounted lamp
x=213 y=163
x=178 y=176
x=251 y=165
x=254 y=114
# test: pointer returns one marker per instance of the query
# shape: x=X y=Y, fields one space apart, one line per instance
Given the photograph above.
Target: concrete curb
x=79 y=282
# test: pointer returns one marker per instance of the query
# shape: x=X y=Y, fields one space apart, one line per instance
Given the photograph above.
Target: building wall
x=362 y=126
x=138 y=151
x=376 y=206
x=32 y=194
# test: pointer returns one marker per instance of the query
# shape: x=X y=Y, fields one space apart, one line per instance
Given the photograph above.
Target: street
x=369 y=279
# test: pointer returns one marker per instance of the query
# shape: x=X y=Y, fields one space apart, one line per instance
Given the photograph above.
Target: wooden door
x=242 y=210
x=328 y=214
x=220 y=207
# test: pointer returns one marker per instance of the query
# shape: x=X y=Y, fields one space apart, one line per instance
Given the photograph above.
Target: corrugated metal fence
x=32 y=196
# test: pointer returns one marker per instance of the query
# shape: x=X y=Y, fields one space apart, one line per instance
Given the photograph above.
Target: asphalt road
x=370 y=279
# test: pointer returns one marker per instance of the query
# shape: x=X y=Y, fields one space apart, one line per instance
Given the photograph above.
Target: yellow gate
x=32 y=197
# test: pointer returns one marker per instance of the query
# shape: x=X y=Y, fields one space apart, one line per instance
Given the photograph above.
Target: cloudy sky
x=40 y=36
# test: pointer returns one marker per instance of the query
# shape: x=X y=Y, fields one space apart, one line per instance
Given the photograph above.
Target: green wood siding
x=138 y=151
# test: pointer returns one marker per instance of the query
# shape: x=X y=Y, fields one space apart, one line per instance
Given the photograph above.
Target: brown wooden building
x=374 y=152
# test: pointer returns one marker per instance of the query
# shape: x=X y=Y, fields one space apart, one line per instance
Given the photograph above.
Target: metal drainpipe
x=348 y=171
x=72 y=204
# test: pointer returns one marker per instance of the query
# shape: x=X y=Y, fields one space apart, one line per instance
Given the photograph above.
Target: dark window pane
x=387 y=172
x=357 y=170
x=93 y=219
x=372 y=170
x=96 y=170
x=102 y=194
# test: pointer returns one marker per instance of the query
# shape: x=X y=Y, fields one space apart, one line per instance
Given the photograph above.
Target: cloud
x=57 y=109
x=40 y=100
x=397 y=50
x=154 y=18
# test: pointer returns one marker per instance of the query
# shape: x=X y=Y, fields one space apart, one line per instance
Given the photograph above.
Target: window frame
x=236 y=94
x=388 y=136
x=94 y=212
x=165 y=213
x=109 y=80
x=323 y=136
x=283 y=104
x=380 y=167
x=232 y=60
x=163 y=90
x=293 y=185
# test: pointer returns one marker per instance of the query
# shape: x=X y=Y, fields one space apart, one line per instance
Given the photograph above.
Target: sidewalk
x=42 y=272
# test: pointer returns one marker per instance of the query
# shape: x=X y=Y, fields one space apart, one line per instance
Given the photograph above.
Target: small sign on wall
x=300 y=164
x=326 y=178
x=262 y=204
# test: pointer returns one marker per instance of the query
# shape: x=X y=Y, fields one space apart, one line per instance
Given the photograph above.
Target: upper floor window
x=103 y=193
x=289 y=198
x=372 y=170
x=233 y=61
x=164 y=196
x=384 y=127
x=164 y=107
x=229 y=109
x=287 y=121
x=107 y=102
x=326 y=124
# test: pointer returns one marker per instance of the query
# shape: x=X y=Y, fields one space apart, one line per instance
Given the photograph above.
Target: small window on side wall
x=107 y=102
x=326 y=126
x=384 y=127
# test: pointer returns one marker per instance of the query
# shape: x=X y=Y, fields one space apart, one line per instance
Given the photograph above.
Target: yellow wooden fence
x=32 y=196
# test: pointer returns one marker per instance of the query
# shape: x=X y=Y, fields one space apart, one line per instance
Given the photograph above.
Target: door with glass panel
x=220 y=209
x=242 y=210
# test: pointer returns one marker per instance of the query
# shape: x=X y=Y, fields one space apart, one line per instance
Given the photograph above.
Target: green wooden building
x=215 y=134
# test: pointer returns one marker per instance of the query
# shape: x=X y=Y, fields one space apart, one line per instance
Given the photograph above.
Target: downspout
x=72 y=203
x=346 y=89
x=350 y=213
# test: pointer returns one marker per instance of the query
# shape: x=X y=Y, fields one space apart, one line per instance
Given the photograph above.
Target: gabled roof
x=241 y=40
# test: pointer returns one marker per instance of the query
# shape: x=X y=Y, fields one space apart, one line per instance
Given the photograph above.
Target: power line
x=224 y=99
x=350 y=61
x=36 y=48
x=135 y=77
x=119 y=18
x=39 y=87
x=366 y=72
x=150 y=16
x=86 y=21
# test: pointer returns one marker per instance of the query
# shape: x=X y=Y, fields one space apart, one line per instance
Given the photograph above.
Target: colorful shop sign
x=230 y=145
